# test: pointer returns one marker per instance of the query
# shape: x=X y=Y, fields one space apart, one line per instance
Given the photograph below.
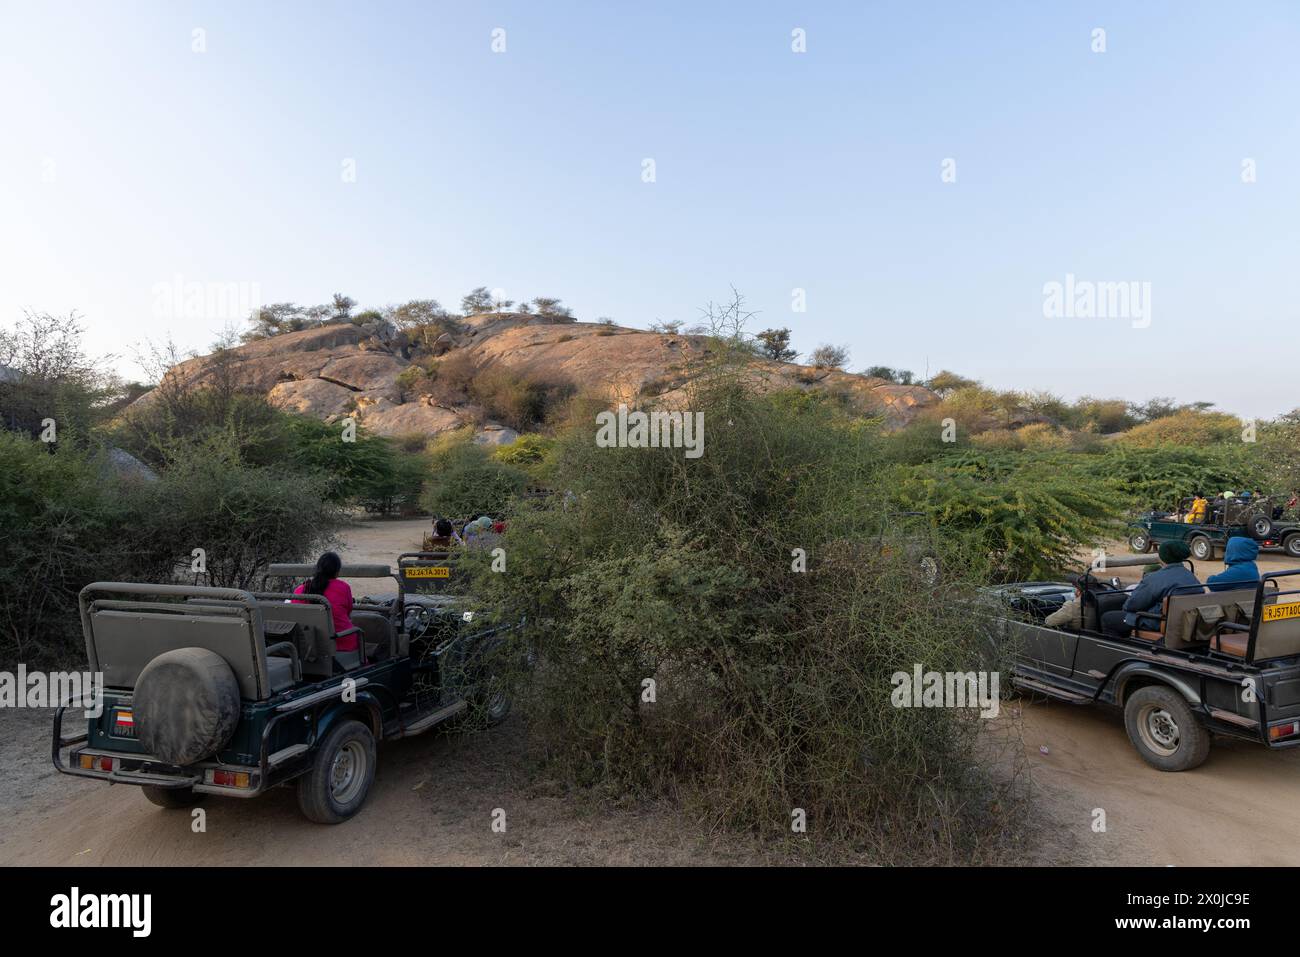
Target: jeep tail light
x=89 y=762
x=1284 y=730
x=229 y=779
x=85 y=761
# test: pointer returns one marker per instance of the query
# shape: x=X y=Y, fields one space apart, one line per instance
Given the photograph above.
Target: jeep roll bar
x=237 y=596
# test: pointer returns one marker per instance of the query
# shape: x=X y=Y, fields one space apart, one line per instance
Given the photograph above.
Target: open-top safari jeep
x=1210 y=663
x=230 y=692
x=1257 y=518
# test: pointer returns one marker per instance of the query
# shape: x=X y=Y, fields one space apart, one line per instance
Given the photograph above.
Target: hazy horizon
x=394 y=151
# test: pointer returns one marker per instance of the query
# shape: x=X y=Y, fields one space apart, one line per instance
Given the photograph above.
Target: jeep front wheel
x=339 y=780
x=1292 y=545
x=1164 y=730
x=1201 y=549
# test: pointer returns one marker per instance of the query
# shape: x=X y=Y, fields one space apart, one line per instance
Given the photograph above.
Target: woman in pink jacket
x=326 y=582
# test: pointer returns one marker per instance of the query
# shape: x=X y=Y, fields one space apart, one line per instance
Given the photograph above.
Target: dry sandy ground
x=434 y=798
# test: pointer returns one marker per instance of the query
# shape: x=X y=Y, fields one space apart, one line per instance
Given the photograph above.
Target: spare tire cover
x=186 y=705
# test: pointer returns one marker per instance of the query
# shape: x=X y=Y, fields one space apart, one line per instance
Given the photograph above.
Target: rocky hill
x=346 y=369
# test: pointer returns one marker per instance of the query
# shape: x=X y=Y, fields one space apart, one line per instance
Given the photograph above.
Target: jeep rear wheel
x=340 y=778
x=1261 y=526
x=1139 y=542
x=1201 y=548
x=1292 y=545
x=1164 y=730
x=172 y=798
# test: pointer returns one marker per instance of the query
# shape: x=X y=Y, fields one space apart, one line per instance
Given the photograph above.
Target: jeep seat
x=377 y=633
x=1279 y=638
x=1231 y=643
x=279 y=672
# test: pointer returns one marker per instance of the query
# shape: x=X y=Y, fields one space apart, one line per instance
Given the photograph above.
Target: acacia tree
x=478 y=300
x=830 y=357
x=552 y=309
x=343 y=306
x=775 y=344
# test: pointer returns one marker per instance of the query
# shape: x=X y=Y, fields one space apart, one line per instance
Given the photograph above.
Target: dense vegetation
x=771 y=677
x=214 y=469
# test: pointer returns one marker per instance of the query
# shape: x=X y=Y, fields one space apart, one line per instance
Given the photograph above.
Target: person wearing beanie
x=1142 y=610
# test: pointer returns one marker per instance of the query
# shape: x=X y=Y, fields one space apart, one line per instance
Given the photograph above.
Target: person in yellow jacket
x=1196 y=514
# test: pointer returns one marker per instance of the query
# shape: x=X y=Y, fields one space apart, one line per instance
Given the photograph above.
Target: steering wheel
x=416 y=620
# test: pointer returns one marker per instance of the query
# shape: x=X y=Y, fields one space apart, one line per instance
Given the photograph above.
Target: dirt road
x=434 y=797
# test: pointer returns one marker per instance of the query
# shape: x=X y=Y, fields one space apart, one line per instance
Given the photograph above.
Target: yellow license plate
x=428 y=571
x=1281 y=612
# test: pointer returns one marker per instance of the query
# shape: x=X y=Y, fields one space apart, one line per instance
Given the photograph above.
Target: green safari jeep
x=1207 y=539
x=230 y=692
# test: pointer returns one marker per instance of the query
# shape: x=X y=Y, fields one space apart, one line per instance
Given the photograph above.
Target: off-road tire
x=1202 y=548
x=1261 y=527
x=186 y=705
x=336 y=786
x=1291 y=545
x=1163 y=729
x=1139 y=542
x=171 y=798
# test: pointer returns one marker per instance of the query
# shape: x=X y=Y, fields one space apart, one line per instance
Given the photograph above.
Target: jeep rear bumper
x=118 y=767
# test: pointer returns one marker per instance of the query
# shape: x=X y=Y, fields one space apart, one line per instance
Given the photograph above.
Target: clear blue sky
x=130 y=159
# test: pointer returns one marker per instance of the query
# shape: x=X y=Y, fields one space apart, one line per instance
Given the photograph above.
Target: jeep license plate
x=428 y=571
x=1281 y=612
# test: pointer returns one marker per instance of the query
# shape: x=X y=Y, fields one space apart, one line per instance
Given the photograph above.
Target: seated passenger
x=1070 y=615
x=1196 y=514
x=444 y=535
x=326 y=582
x=1240 y=569
x=1142 y=610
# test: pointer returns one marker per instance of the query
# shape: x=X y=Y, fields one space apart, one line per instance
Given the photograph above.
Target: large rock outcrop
x=344 y=369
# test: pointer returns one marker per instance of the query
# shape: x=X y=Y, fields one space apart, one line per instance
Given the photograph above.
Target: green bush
x=1028 y=512
x=1160 y=477
x=243 y=517
x=527 y=451
x=372 y=471
x=465 y=480
x=68 y=521
x=60 y=524
x=773 y=686
x=1186 y=427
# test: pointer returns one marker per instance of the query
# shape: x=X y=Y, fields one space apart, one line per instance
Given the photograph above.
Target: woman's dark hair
x=442 y=526
x=327 y=569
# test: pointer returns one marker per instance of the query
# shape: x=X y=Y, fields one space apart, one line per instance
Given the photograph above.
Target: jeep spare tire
x=1261 y=526
x=186 y=705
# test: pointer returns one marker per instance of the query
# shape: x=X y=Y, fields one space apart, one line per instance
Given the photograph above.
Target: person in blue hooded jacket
x=1142 y=609
x=1241 y=570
